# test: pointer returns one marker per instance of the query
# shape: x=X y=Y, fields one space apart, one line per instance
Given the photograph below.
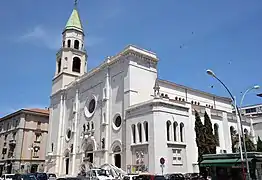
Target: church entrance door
x=90 y=156
x=67 y=165
x=117 y=156
x=67 y=162
x=118 y=160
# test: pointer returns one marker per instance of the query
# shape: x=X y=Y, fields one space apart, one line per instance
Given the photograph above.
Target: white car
x=130 y=177
x=7 y=176
x=99 y=174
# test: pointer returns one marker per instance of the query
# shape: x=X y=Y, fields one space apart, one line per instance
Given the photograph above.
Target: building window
x=92 y=125
x=76 y=44
x=63 y=43
x=76 y=64
x=88 y=126
x=251 y=110
x=177 y=156
x=68 y=43
x=146 y=130
x=168 y=124
x=59 y=66
x=216 y=133
x=16 y=123
x=134 y=133
x=52 y=147
x=175 y=130
x=117 y=121
x=181 y=132
x=139 y=128
x=38 y=137
x=245 y=132
x=14 y=135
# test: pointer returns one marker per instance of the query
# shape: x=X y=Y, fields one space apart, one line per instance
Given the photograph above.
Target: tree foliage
x=210 y=139
x=259 y=145
x=234 y=140
x=200 y=138
x=250 y=146
x=205 y=139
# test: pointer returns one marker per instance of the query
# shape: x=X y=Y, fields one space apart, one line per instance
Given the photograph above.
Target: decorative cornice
x=194 y=90
x=156 y=103
x=128 y=51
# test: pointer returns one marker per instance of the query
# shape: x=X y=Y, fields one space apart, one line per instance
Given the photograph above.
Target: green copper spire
x=74 y=21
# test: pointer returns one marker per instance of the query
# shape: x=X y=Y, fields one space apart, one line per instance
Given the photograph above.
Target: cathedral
x=122 y=114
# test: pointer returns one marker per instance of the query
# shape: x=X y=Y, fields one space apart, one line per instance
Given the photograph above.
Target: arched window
x=245 y=132
x=59 y=66
x=92 y=125
x=76 y=44
x=181 y=132
x=139 y=127
x=76 y=64
x=216 y=133
x=232 y=129
x=168 y=127
x=52 y=147
x=63 y=43
x=175 y=130
x=134 y=133
x=68 y=43
x=146 y=130
x=88 y=126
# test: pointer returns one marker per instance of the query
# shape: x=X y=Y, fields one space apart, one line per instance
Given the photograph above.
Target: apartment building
x=23 y=137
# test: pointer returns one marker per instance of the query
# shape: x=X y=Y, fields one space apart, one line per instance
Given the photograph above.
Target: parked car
x=51 y=176
x=175 y=176
x=100 y=174
x=130 y=177
x=24 y=177
x=150 y=177
x=193 y=176
x=7 y=176
x=69 y=178
x=40 y=176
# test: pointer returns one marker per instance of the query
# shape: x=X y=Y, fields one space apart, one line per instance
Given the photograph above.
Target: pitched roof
x=37 y=110
x=43 y=112
x=74 y=22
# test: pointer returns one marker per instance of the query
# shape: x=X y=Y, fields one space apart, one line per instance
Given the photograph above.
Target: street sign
x=162 y=160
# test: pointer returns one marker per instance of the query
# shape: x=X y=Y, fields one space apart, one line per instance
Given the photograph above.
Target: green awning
x=220 y=162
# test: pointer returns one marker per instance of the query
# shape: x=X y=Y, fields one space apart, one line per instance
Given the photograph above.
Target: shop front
x=230 y=166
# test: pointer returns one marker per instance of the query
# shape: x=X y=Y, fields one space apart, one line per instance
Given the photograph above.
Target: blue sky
x=188 y=37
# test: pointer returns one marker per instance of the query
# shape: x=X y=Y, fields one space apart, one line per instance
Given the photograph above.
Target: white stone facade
x=113 y=115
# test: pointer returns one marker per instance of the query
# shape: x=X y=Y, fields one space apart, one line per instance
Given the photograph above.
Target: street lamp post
x=247 y=91
x=211 y=73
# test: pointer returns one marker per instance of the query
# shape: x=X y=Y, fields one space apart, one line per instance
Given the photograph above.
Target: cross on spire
x=76 y=1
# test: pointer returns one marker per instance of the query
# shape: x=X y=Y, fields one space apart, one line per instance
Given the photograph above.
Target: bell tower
x=71 y=58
